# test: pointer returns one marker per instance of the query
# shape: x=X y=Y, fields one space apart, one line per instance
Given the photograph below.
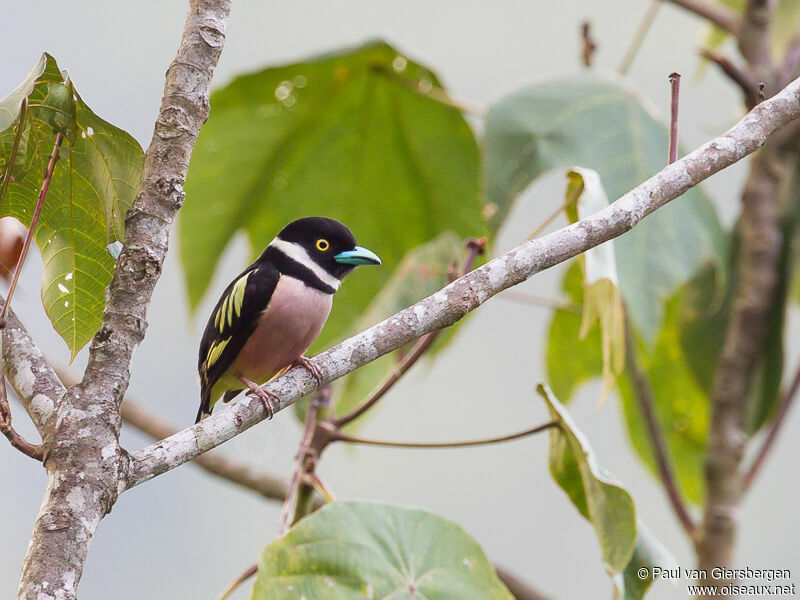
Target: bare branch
x=273 y=488
x=740 y=76
x=588 y=45
x=448 y=305
x=675 y=91
x=644 y=397
x=713 y=12
x=7 y=429
x=37 y=386
x=754 y=34
x=772 y=435
x=753 y=299
x=344 y=437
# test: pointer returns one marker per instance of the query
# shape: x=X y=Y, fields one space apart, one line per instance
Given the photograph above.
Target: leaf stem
x=243 y=576
x=34 y=220
x=543 y=301
x=344 y=437
x=638 y=37
x=12 y=159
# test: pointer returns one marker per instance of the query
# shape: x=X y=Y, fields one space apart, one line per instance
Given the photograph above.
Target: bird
x=271 y=313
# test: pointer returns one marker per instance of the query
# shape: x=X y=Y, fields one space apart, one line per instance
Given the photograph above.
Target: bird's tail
x=205 y=407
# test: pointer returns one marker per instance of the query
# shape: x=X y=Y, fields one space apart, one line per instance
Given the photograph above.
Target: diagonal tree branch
x=448 y=305
x=272 y=488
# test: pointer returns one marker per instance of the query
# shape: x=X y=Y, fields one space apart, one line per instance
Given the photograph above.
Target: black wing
x=232 y=321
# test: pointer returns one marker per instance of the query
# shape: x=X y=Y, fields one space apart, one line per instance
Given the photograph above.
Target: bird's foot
x=310 y=367
x=268 y=398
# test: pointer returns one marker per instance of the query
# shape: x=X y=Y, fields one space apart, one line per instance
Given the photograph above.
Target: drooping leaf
x=93 y=185
x=602 y=301
x=604 y=125
x=648 y=554
x=598 y=497
x=682 y=405
x=423 y=271
x=341 y=136
x=364 y=550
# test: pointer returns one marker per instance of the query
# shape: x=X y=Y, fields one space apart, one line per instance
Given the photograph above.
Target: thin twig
x=772 y=435
x=521 y=590
x=243 y=576
x=344 y=437
x=305 y=463
x=740 y=76
x=15 y=439
x=476 y=248
x=675 y=91
x=790 y=62
x=644 y=397
x=549 y=219
x=543 y=301
x=638 y=36
x=761 y=92
x=589 y=46
x=12 y=159
x=714 y=12
x=34 y=220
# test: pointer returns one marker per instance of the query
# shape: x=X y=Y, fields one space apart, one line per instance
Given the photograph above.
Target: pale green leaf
x=649 y=554
x=93 y=185
x=596 y=495
x=605 y=125
x=341 y=136
x=364 y=550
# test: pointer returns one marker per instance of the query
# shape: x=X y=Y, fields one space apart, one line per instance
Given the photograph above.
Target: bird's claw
x=267 y=398
x=310 y=367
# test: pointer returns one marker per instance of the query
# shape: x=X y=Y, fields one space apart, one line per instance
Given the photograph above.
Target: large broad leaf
x=423 y=271
x=604 y=125
x=361 y=550
x=341 y=136
x=598 y=497
x=93 y=185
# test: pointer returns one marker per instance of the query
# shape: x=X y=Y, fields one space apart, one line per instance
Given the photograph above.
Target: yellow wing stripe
x=232 y=304
x=214 y=352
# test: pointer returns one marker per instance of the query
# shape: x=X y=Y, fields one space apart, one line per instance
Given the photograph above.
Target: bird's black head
x=320 y=242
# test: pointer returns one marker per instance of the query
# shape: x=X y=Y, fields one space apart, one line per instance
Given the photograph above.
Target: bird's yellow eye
x=323 y=245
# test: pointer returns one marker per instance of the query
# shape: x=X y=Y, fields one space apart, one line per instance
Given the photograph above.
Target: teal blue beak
x=357 y=256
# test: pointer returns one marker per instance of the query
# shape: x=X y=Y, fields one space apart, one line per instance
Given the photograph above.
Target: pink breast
x=290 y=324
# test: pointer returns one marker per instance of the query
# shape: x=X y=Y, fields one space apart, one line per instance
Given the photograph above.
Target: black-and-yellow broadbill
x=271 y=313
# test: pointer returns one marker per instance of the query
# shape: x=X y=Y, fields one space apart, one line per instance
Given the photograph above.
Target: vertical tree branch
x=754 y=296
x=85 y=465
x=753 y=38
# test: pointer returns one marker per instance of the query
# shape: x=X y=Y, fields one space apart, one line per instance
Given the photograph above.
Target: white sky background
x=186 y=535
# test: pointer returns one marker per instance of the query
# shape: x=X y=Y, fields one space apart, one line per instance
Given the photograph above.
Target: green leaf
x=602 y=301
x=342 y=136
x=599 y=498
x=571 y=359
x=603 y=124
x=423 y=271
x=93 y=185
x=364 y=550
x=648 y=554
x=682 y=404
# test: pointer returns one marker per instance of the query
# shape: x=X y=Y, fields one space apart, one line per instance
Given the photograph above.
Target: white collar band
x=299 y=254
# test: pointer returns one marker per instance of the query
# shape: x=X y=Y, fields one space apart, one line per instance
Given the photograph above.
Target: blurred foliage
x=93 y=185
x=350 y=136
x=362 y=550
x=605 y=125
x=784 y=26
